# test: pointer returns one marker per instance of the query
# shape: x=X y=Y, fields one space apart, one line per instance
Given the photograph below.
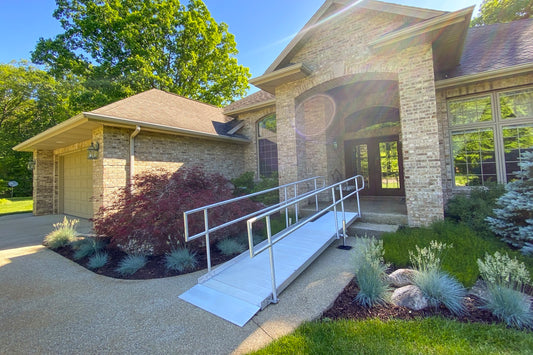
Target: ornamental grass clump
x=86 y=247
x=230 y=247
x=437 y=286
x=370 y=273
x=98 y=260
x=63 y=234
x=506 y=279
x=181 y=260
x=131 y=264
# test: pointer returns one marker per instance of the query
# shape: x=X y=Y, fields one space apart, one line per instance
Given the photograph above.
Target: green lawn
x=16 y=205
x=424 y=336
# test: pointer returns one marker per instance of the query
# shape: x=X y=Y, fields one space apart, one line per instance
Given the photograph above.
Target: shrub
x=511 y=306
x=181 y=260
x=370 y=273
x=439 y=287
x=149 y=219
x=501 y=270
x=130 y=264
x=514 y=218
x=63 y=234
x=97 y=260
x=473 y=208
x=230 y=247
x=245 y=184
x=86 y=247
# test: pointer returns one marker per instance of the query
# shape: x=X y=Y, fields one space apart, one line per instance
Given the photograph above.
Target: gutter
x=162 y=128
x=488 y=75
x=132 y=153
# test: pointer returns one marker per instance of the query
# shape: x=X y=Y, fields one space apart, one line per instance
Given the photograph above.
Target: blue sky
x=262 y=28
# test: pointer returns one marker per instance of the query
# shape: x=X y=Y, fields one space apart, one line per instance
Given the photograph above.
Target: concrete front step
x=384 y=218
x=362 y=229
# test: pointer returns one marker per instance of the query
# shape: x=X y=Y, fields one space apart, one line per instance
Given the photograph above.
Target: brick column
x=420 y=136
x=43 y=182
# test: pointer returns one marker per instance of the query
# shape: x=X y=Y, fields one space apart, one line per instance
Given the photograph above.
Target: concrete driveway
x=51 y=305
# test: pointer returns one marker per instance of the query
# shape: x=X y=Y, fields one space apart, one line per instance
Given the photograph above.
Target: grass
x=460 y=260
x=131 y=264
x=181 y=260
x=424 y=336
x=16 y=205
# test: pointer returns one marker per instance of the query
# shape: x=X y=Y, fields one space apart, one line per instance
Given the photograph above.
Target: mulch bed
x=154 y=268
x=345 y=307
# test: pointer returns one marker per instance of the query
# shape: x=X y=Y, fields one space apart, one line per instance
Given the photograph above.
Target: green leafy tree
x=124 y=47
x=501 y=11
x=30 y=101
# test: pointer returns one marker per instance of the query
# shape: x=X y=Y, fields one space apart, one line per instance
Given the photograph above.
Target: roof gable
x=332 y=8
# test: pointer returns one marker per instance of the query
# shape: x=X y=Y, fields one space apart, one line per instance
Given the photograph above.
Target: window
x=267 y=146
x=488 y=134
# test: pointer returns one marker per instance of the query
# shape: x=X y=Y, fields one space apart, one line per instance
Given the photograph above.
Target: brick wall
x=43 y=182
x=338 y=54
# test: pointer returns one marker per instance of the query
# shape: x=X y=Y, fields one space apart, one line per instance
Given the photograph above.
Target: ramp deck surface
x=239 y=288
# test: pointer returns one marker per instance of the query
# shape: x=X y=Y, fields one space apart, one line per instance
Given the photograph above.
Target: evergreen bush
x=246 y=184
x=513 y=221
x=473 y=208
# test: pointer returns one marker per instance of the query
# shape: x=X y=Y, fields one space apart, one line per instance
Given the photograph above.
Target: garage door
x=77 y=185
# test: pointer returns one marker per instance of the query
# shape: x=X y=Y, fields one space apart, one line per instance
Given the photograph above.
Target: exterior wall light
x=335 y=145
x=92 y=151
x=31 y=164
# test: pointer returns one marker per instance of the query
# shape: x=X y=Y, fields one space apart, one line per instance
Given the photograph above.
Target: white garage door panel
x=77 y=185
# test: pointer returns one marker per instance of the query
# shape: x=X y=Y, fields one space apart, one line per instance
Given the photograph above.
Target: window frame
x=497 y=125
x=257 y=144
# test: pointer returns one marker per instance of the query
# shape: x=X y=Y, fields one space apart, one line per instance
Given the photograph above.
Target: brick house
x=411 y=98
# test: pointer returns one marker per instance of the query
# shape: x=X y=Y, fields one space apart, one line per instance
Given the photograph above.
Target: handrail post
x=335 y=212
x=343 y=217
x=316 y=196
x=286 y=210
x=272 y=268
x=357 y=189
x=207 y=246
x=296 y=205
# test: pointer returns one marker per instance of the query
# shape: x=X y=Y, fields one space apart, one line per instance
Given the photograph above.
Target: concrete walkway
x=51 y=305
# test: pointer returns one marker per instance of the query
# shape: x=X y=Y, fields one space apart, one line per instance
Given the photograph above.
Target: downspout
x=132 y=153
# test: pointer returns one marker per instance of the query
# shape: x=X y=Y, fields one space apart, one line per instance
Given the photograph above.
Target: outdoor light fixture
x=31 y=164
x=92 y=151
x=335 y=145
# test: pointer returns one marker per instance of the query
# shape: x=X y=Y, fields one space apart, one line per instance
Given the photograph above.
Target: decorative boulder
x=409 y=296
x=402 y=277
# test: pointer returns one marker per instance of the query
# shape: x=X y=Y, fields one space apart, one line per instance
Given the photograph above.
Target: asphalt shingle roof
x=496 y=46
x=255 y=98
x=170 y=110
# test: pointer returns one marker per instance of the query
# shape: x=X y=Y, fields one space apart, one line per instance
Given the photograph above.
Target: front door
x=379 y=160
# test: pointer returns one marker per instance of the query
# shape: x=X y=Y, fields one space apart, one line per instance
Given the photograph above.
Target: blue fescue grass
x=98 y=260
x=181 y=260
x=131 y=264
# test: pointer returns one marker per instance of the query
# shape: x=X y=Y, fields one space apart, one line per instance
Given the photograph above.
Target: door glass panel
x=361 y=162
x=390 y=170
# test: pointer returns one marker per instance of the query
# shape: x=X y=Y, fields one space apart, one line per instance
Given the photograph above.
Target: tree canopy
x=500 y=11
x=122 y=47
x=30 y=101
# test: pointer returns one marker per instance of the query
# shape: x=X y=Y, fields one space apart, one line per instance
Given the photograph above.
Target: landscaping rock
x=480 y=290
x=402 y=277
x=409 y=296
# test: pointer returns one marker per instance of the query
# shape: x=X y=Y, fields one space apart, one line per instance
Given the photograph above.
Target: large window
x=488 y=134
x=267 y=146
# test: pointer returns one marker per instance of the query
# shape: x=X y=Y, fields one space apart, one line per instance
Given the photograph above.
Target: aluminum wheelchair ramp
x=239 y=288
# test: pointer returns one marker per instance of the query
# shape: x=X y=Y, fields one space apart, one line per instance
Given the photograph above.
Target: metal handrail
x=283 y=205
x=281 y=235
